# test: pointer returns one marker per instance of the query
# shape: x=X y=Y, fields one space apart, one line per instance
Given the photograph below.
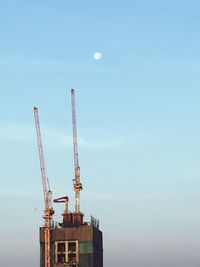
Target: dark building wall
x=90 y=244
x=97 y=248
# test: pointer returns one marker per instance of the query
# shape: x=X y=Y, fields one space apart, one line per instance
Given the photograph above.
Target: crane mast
x=48 y=209
x=77 y=184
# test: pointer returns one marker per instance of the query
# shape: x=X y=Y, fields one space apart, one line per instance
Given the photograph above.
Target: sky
x=137 y=118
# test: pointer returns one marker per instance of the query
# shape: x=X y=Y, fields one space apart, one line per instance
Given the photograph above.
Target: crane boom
x=48 y=211
x=41 y=157
x=77 y=183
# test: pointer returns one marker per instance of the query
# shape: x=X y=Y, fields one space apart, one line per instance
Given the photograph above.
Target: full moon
x=97 y=56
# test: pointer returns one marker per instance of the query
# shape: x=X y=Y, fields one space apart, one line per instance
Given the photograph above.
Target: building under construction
x=73 y=242
x=74 y=245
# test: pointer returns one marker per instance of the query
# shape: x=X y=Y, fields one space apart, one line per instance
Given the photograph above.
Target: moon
x=97 y=55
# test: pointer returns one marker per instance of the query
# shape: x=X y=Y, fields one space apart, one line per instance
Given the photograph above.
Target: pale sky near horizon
x=138 y=111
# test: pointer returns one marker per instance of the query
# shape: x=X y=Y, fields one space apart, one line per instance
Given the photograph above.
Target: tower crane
x=77 y=184
x=48 y=209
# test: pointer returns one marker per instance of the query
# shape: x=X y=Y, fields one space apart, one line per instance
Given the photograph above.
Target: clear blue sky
x=138 y=124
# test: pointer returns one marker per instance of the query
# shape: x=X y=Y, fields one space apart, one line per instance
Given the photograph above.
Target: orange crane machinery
x=73 y=218
x=48 y=209
x=77 y=184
